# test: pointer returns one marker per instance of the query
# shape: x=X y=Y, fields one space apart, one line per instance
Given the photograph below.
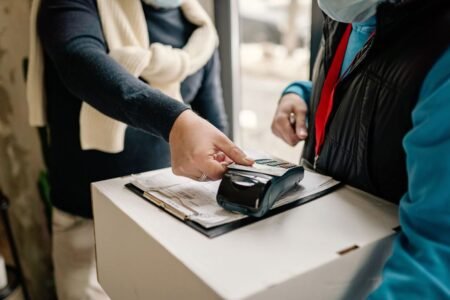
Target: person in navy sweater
x=376 y=116
x=161 y=131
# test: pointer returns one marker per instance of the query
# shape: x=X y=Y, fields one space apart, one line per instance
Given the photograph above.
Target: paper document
x=196 y=201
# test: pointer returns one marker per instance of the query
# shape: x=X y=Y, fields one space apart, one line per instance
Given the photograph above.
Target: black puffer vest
x=373 y=103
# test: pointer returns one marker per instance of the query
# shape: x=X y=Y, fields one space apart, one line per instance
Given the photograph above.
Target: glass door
x=274 y=51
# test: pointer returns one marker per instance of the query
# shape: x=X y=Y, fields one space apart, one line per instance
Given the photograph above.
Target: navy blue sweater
x=77 y=66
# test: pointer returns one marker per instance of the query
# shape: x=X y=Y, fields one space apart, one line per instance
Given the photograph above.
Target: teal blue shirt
x=419 y=267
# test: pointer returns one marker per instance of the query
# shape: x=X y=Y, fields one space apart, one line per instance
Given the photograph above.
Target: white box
x=331 y=248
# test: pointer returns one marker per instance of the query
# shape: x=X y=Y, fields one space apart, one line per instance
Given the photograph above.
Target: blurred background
x=274 y=51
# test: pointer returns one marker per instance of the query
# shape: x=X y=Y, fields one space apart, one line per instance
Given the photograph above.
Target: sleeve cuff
x=300 y=88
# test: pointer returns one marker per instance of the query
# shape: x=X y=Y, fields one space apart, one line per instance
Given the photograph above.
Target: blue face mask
x=163 y=3
x=349 y=11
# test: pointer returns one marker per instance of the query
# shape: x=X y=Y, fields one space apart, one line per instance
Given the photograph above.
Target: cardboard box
x=331 y=248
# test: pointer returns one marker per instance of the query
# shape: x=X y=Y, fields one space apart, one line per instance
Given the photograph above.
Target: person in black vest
x=377 y=116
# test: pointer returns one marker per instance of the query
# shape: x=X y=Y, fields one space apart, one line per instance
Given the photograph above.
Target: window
x=274 y=51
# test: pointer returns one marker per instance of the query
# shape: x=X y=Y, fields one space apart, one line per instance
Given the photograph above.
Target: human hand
x=199 y=149
x=290 y=131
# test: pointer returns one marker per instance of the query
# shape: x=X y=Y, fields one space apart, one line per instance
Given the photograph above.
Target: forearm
x=91 y=75
x=78 y=52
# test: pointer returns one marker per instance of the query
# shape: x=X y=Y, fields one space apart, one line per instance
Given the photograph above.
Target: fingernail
x=303 y=133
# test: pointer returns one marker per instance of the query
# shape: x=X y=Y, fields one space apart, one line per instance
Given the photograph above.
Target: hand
x=283 y=127
x=198 y=148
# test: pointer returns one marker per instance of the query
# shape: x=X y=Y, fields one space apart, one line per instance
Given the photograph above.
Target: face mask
x=163 y=3
x=349 y=11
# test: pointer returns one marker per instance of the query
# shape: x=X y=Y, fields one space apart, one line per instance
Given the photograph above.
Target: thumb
x=233 y=151
x=213 y=169
x=300 y=126
x=300 y=111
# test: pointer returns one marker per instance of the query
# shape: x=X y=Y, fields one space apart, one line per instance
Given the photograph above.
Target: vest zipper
x=359 y=58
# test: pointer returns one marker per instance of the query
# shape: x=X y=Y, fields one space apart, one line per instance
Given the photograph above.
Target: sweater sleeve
x=419 y=267
x=300 y=88
x=71 y=36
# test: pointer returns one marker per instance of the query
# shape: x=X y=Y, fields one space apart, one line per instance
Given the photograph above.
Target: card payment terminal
x=252 y=190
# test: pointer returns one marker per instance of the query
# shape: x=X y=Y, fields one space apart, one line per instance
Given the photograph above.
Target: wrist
x=181 y=122
x=292 y=97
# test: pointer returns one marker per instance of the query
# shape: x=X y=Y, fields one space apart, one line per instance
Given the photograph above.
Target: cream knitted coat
x=126 y=34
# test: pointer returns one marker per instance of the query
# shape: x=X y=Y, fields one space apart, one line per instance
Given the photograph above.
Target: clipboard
x=218 y=230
